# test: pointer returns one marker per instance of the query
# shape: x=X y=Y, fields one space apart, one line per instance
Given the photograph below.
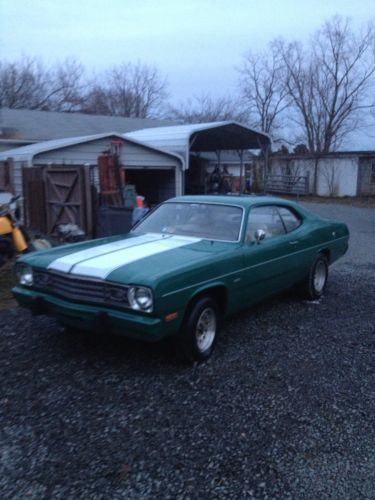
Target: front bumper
x=95 y=318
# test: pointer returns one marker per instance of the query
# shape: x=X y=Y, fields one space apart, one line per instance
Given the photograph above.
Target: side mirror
x=260 y=235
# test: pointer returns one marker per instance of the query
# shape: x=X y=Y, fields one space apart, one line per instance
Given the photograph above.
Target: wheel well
x=218 y=293
x=326 y=253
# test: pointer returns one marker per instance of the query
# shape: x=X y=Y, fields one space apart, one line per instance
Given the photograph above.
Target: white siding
x=336 y=176
x=86 y=153
x=17 y=176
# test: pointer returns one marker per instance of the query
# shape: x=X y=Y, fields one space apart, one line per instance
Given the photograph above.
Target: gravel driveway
x=284 y=409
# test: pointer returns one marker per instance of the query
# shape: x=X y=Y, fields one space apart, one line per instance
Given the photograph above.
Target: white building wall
x=88 y=152
x=17 y=176
x=131 y=156
x=336 y=176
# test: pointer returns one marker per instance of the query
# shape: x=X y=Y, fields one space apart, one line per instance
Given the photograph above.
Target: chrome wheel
x=205 y=332
x=313 y=286
x=199 y=331
x=320 y=276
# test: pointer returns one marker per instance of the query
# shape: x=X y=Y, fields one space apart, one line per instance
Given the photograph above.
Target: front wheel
x=199 y=332
x=315 y=282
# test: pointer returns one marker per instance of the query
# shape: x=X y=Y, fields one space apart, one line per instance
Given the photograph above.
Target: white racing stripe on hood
x=66 y=263
x=100 y=266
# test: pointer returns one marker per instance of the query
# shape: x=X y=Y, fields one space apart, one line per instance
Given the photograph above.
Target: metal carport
x=194 y=139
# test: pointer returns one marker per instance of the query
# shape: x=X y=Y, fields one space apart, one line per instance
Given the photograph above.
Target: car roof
x=239 y=200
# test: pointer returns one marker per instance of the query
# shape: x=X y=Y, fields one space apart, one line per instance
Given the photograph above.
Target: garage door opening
x=155 y=185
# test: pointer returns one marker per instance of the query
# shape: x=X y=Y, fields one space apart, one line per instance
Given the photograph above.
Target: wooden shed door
x=34 y=198
x=65 y=197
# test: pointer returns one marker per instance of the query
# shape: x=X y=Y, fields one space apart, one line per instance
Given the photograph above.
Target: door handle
x=295 y=242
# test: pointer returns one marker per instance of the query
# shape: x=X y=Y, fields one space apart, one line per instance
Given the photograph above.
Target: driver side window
x=267 y=219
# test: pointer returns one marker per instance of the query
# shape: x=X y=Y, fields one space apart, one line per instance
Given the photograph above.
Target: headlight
x=140 y=298
x=24 y=275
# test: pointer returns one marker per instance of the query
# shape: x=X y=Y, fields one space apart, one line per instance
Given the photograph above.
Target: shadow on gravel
x=112 y=348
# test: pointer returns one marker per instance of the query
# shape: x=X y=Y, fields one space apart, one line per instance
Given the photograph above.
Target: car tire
x=315 y=282
x=199 y=332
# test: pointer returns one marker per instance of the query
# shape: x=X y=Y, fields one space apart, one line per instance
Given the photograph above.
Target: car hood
x=139 y=259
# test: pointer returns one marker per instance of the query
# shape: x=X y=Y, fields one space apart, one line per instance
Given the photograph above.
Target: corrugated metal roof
x=210 y=136
x=175 y=132
x=48 y=125
x=27 y=153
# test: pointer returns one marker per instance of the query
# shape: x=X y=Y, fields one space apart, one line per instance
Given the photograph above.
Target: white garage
x=62 y=172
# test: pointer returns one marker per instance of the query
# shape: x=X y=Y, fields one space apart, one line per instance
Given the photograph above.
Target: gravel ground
x=284 y=409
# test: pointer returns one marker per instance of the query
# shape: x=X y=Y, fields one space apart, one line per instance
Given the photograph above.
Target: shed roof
x=27 y=153
x=211 y=136
x=35 y=125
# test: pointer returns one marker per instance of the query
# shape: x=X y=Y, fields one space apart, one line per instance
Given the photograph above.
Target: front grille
x=81 y=289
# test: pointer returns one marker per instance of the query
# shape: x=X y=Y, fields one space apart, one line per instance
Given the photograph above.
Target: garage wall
x=88 y=152
x=17 y=176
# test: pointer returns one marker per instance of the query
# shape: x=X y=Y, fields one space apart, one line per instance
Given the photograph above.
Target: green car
x=191 y=262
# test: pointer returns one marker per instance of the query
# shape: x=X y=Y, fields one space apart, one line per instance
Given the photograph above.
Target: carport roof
x=27 y=153
x=214 y=136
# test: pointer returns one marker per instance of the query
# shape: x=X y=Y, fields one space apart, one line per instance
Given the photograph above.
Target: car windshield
x=202 y=220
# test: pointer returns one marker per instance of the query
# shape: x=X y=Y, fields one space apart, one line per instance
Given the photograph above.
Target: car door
x=272 y=263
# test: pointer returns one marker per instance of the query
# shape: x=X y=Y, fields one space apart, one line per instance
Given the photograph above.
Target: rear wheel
x=315 y=282
x=199 y=331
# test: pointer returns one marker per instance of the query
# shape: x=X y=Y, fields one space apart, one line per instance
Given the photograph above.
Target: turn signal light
x=171 y=316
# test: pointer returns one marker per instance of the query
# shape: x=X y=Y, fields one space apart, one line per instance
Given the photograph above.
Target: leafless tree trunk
x=263 y=91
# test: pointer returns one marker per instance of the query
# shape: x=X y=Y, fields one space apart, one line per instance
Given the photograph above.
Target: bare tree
x=330 y=174
x=329 y=82
x=134 y=90
x=67 y=88
x=28 y=83
x=96 y=100
x=22 y=83
x=262 y=79
x=205 y=108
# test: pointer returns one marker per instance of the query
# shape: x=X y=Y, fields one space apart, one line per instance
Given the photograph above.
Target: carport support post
x=265 y=151
x=218 y=158
x=240 y=154
x=265 y=170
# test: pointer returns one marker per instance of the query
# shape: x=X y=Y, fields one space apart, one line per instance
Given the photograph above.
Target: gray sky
x=196 y=43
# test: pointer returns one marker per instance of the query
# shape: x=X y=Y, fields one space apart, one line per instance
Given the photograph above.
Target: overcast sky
x=195 y=43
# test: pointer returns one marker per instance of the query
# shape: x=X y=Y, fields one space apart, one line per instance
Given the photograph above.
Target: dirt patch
x=7 y=281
